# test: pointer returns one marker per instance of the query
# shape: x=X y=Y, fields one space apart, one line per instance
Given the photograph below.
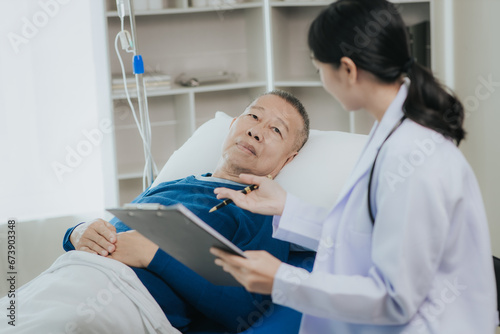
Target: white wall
x=54 y=95
x=38 y=245
x=477 y=49
x=468 y=57
x=477 y=62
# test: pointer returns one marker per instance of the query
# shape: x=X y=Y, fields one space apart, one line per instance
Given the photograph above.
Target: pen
x=245 y=191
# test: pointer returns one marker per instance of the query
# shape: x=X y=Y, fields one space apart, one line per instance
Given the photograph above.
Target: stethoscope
x=373 y=167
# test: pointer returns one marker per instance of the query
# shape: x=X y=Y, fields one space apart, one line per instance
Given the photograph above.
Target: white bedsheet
x=85 y=293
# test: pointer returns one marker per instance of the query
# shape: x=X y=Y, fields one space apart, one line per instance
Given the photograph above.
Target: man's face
x=264 y=138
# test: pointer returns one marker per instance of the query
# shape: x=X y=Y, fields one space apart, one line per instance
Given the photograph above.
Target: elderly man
x=261 y=141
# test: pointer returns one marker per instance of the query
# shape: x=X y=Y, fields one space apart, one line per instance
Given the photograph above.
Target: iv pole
x=138 y=66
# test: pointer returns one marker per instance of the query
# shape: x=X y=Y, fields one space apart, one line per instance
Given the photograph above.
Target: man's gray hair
x=297 y=105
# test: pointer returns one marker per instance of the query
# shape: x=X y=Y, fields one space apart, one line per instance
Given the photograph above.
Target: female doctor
x=424 y=265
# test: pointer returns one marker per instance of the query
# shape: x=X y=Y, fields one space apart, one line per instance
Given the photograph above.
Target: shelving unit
x=263 y=43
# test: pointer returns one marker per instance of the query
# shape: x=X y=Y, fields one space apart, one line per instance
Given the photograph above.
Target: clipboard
x=180 y=233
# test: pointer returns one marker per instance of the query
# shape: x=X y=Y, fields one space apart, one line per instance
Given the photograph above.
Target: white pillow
x=200 y=153
x=316 y=175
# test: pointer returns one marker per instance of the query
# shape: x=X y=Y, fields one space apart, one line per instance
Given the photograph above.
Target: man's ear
x=230 y=125
x=290 y=158
x=350 y=68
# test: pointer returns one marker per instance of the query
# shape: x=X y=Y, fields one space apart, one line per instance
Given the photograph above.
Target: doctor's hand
x=134 y=249
x=97 y=237
x=269 y=199
x=256 y=272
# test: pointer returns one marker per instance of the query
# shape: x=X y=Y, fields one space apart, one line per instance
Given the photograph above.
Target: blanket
x=85 y=293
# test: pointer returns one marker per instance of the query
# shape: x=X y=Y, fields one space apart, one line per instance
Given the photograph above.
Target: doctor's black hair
x=373 y=35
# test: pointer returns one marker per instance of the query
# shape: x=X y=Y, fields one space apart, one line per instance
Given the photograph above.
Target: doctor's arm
x=294 y=220
x=226 y=305
x=412 y=224
x=407 y=245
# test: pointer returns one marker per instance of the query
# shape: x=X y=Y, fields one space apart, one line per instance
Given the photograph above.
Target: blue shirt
x=184 y=296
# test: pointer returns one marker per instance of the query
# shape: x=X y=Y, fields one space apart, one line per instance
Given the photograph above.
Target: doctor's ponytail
x=430 y=105
x=373 y=35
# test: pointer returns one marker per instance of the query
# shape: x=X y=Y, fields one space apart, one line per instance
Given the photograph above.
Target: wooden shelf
x=312 y=3
x=299 y=3
x=299 y=81
x=178 y=90
x=189 y=10
x=153 y=124
x=264 y=43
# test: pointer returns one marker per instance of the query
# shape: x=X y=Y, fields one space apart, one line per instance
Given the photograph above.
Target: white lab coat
x=425 y=267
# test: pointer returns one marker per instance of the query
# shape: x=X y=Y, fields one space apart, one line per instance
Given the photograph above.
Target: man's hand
x=134 y=250
x=97 y=237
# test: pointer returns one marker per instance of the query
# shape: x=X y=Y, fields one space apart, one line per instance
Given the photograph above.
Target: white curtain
x=56 y=155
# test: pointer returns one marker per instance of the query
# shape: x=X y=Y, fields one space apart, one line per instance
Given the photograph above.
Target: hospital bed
x=316 y=175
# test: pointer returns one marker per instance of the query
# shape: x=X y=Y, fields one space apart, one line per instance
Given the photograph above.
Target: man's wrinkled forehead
x=270 y=112
x=253 y=106
x=270 y=104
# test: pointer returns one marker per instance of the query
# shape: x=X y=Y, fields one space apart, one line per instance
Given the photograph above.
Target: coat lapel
x=377 y=135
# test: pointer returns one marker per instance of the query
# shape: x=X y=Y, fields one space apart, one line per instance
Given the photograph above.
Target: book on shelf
x=151 y=81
